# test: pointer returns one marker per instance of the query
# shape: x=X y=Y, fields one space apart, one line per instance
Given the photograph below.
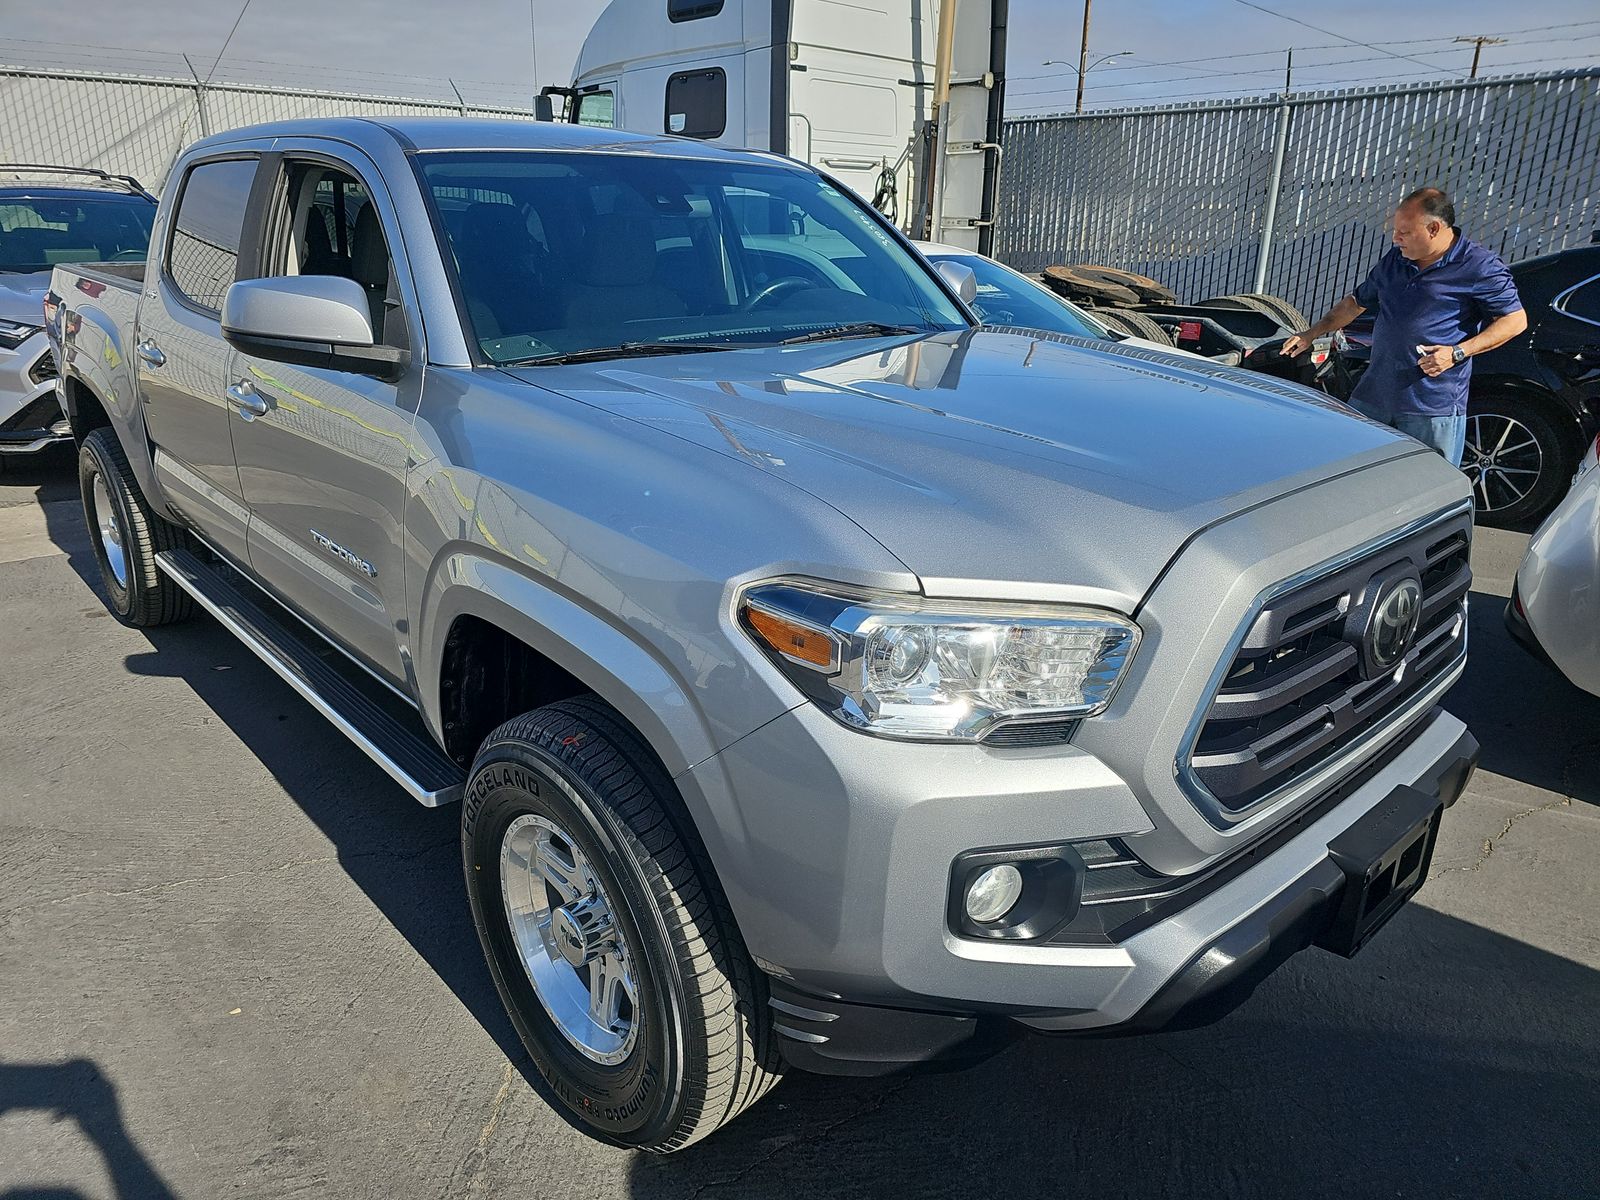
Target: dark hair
x=1435 y=204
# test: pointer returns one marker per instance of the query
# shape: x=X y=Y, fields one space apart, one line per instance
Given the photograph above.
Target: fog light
x=992 y=893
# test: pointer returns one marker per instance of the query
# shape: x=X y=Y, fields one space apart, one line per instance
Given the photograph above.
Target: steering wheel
x=778 y=287
x=129 y=256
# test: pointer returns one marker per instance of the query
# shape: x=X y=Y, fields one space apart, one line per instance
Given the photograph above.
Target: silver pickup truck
x=824 y=679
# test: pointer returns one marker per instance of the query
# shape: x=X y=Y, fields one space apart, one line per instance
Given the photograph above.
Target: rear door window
x=1585 y=303
x=203 y=252
x=697 y=103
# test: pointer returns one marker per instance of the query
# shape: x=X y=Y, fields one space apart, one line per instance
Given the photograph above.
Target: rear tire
x=127 y=536
x=1517 y=460
x=1275 y=307
x=581 y=869
x=1137 y=325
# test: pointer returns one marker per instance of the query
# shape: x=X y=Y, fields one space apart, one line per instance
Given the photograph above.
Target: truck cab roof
x=428 y=134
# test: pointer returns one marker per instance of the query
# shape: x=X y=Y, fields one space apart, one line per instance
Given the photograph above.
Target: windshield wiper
x=856 y=329
x=621 y=350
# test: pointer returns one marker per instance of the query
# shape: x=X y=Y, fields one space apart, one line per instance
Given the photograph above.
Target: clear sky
x=1182 y=49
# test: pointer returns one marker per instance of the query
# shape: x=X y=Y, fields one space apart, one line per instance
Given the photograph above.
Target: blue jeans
x=1447 y=435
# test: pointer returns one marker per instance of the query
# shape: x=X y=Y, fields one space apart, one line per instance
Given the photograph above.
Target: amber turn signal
x=791 y=639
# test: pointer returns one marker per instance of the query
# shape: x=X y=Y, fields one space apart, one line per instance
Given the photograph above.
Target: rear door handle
x=250 y=405
x=150 y=354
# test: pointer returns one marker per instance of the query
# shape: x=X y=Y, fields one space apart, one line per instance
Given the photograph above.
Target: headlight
x=903 y=667
x=13 y=334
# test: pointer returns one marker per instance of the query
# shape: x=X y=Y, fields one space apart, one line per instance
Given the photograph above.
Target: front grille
x=44 y=369
x=1300 y=688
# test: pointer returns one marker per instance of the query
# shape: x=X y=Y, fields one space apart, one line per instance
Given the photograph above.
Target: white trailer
x=850 y=86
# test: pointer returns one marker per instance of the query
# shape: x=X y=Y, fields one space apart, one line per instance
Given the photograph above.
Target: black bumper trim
x=1223 y=975
x=829 y=1036
x=832 y=1036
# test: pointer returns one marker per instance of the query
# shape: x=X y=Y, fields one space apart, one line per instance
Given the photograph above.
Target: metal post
x=1264 y=255
x=200 y=99
x=943 y=66
x=459 y=99
x=1083 y=55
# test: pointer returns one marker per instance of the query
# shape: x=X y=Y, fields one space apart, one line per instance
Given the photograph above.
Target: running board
x=400 y=745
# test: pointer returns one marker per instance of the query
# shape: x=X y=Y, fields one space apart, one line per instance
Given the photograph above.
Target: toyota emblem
x=1393 y=622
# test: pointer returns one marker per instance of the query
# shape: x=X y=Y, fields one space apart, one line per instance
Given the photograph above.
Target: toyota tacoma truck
x=824 y=681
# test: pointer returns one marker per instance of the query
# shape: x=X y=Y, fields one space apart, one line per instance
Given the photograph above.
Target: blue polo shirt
x=1442 y=306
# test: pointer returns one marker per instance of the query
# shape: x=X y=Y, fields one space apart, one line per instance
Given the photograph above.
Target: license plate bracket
x=1385 y=858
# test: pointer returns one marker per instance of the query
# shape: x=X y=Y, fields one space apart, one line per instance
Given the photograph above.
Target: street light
x=1112 y=57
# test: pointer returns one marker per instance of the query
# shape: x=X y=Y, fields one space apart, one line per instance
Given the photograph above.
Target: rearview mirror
x=311 y=320
x=544 y=108
x=961 y=279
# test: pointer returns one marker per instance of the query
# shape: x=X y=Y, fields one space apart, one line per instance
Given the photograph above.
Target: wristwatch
x=1457 y=356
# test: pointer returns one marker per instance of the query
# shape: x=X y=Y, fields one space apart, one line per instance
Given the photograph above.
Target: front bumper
x=876 y=1001
x=30 y=415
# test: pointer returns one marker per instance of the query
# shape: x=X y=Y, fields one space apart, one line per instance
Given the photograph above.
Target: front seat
x=618 y=276
x=369 y=264
x=504 y=272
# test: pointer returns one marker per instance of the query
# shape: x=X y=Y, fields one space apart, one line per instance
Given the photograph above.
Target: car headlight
x=930 y=670
x=13 y=333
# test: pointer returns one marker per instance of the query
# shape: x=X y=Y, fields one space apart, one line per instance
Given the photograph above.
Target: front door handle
x=150 y=354
x=250 y=405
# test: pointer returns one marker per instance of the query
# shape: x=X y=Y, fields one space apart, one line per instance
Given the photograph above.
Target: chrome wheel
x=1502 y=460
x=576 y=956
x=110 y=529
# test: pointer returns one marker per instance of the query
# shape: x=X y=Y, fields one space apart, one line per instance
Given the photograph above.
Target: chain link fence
x=137 y=125
x=1182 y=193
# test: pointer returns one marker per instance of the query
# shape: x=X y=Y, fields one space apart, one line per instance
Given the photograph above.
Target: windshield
x=37 y=232
x=1006 y=297
x=560 y=254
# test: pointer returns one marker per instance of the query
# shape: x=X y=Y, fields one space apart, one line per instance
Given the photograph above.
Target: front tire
x=607 y=934
x=127 y=536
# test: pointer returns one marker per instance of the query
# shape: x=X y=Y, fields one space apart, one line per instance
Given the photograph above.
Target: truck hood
x=22 y=297
x=999 y=464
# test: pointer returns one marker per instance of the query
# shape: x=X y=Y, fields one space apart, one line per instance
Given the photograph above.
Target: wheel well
x=85 y=411
x=487 y=677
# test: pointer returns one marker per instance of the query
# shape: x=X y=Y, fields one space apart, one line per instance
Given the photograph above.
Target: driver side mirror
x=961 y=280
x=311 y=320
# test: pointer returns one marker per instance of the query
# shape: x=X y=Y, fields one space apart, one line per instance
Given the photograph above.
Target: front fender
x=622 y=671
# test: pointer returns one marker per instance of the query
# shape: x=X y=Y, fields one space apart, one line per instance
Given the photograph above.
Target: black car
x=1535 y=402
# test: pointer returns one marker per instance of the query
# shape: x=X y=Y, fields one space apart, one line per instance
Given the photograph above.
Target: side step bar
x=401 y=746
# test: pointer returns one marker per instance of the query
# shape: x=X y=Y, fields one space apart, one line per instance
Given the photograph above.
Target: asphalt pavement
x=236 y=960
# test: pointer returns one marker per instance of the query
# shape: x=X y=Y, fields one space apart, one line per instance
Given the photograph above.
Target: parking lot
x=235 y=960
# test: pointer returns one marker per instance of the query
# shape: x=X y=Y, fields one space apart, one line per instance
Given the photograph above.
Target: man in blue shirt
x=1441 y=299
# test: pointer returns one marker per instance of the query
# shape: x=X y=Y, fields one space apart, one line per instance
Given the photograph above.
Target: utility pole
x=1083 y=55
x=1269 y=220
x=1478 y=43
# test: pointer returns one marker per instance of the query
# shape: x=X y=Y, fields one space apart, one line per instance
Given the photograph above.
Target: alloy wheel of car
x=575 y=953
x=1502 y=459
x=110 y=531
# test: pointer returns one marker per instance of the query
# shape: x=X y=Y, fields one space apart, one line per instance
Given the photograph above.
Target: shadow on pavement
x=1446 y=1060
x=1534 y=726
x=406 y=858
x=78 y=1090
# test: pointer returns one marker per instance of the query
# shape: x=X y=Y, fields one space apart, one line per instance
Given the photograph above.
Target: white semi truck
x=901 y=100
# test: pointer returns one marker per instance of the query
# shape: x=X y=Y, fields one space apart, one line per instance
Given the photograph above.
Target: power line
x=1281 y=50
x=1334 y=33
x=242 y=9
x=1306 y=67
x=1320 y=85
